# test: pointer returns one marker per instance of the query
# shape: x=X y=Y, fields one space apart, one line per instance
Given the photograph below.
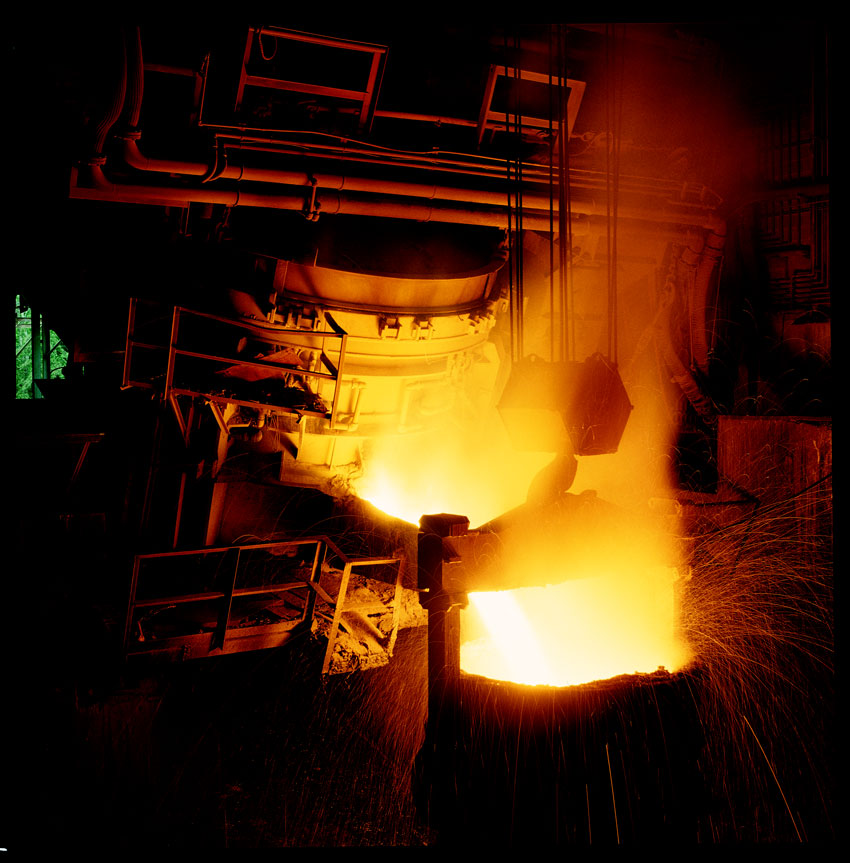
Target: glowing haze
x=576 y=632
x=609 y=604
x=603 y=600
x=456 y=469
x=595 y=586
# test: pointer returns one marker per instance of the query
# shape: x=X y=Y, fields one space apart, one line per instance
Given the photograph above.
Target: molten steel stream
x=453 y=471
x=610 y=605
x=576 y=632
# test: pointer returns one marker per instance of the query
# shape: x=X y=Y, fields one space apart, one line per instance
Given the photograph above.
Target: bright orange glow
x=454 y=470
x=510 y=646
x=576 y=632
x=595 y=575
x=600 y=600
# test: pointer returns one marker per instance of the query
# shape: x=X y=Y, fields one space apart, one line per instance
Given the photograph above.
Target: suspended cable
x=519 y=227
x=614 y=68
x=608 y=148
x=562 y=329
x=566 y=204
x=559 y=321
x=510 y=237
x=514 y=174
x=552 y=109
x=563 y=224
x=617 y=163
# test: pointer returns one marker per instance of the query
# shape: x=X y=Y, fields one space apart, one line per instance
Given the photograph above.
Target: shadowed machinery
x=423 y=436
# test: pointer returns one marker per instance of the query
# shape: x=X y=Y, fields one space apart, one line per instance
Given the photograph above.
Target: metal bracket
x=389 y=328
x=311 y=208
x=479 y=323
x=490 y=118
x=422 y=328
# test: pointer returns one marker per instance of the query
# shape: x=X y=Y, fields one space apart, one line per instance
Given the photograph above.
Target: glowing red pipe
x=430 y=193
x=349 y=195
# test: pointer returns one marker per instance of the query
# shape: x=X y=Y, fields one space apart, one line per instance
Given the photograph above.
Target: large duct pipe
x=114 y=109
x=338 y=194
x=135 y=79
x=430 y=193
x=97 y=186
x=535 y=206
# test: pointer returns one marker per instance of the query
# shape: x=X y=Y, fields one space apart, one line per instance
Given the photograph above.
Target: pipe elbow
x=135 y=158
x=131 y=153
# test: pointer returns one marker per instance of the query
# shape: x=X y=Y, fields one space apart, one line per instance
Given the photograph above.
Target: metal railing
x=175 y=349
x=228 y=574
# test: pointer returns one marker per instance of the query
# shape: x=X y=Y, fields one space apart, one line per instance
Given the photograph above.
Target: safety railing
x=325 y=50
x=191 y=360
x=188 y=601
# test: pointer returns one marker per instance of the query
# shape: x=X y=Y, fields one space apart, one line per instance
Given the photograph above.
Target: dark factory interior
x=422 y=435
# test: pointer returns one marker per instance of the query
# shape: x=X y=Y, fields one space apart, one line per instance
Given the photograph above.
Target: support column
x=438 y=759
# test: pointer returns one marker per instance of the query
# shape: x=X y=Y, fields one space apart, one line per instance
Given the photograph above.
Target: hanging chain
x=561 y=313
x=614 y=68
x=514 y=171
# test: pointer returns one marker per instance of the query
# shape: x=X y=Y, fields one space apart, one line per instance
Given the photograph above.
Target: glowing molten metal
x=454 y=471
x=576 y=632
x=592 y=586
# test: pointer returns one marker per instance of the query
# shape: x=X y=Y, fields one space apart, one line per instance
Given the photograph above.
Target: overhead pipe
x=133 y=108
x=400 y=200
x=488 y=169
x=95 y=185
x=423 y=191
x=491 y=207
x=430 y=192
x=712 y=254
x=414 y=201
x=114 y=109
x=135 y=79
